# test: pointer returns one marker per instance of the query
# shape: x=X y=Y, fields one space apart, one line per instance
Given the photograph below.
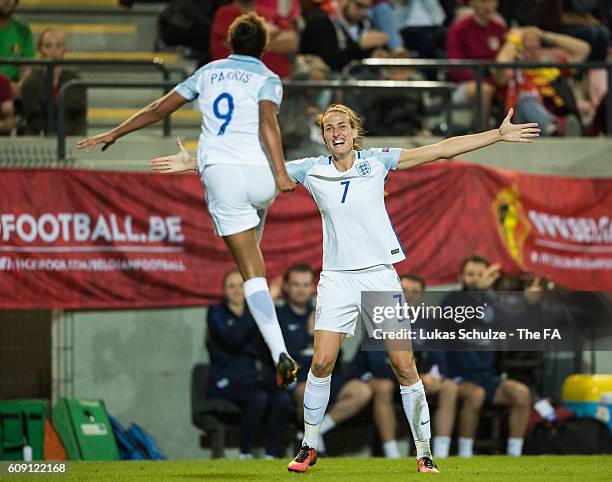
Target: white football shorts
x=339 y=295
x=237 y=196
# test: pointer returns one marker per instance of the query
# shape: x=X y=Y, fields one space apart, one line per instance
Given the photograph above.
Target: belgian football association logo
x=363 y=168
x=513 y=224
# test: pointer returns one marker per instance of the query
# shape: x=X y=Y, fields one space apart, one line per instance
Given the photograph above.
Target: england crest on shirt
x=363 y=168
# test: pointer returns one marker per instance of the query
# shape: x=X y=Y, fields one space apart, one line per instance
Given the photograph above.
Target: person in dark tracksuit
x=234 y=345
x=475 y=371
x=296 y=319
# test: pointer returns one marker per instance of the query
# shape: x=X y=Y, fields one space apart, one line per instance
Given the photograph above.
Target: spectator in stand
x=283 y=36
x=288 y=10
x=586 y=20
x=394 y=114
x=15 y=42
x=234 y=344
x=52 y=46
x=475 y=371
x=345 y=36
x=539 y=95
x=7 y=108
x=296 y=318
x=299 y=111
x=421 y=24
x=382 y=14
x=444 y=389
x=477 y=36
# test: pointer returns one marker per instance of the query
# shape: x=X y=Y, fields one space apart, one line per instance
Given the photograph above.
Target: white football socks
x=417 y=413
x=391 y=449
x=515 y=446
x=441 y=446
x=466 y=447
x=316 y=398
x=262 y=308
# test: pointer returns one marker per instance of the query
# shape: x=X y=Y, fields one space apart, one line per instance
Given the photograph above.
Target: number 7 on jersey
x=344 y=193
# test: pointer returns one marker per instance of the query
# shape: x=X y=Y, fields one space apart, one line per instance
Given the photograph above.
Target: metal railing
x=50 y=65
x=480 y=68
x=440 y=87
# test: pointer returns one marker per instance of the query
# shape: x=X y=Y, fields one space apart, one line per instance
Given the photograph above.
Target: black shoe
x=286 y=371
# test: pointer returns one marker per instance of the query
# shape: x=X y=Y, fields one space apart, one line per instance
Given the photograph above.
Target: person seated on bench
x=296 y=318
x=234 y=345
x=475 y=371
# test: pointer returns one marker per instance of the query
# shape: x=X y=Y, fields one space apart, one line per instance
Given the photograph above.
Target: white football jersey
x=357 y=231
x=228 y=92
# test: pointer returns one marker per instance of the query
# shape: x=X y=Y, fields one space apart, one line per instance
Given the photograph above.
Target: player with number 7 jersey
x=240 y=160
x=359 y=249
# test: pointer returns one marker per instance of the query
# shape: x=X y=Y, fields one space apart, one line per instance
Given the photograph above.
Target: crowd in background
x=23 y=88
x=459 y=383
x=317 y=39
x=341 y=31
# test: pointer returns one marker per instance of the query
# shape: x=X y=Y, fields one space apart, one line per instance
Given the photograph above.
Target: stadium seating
x=213 y=416
x=98 y=31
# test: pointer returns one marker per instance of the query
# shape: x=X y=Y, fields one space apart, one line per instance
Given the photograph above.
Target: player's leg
x=384 y=414
x=471 y=397
x=233 y=195
x=414 y=402
x=444 y=417
x=318 y=385
x=244 y=248
x=515 y=395
x=413 y=399
x=316 y=395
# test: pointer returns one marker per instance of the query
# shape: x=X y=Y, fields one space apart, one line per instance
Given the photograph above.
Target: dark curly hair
x=248 y=35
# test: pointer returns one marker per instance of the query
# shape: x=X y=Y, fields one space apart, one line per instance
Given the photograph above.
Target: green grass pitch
x=548 y=469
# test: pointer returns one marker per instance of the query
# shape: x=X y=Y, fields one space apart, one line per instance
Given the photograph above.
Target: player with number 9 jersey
x=228 y=92
x=239 y=98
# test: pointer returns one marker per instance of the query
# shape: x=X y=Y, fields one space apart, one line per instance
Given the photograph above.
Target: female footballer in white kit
x=239 y=98
x=359 y=249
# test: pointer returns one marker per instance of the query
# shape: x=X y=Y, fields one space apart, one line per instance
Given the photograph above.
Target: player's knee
x=475 y=397
x=322 y=365
x=362 y=392
x=449 y=392
x=521 y=394
x=384 y=389
x=405 y=370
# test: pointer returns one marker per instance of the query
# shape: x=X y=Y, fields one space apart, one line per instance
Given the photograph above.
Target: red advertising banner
x=90 y=239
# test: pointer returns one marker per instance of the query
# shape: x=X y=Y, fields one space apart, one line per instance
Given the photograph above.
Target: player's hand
x=518 y=132
x=106 y=138
x=489 y=276
x=285 y=183
x=372 y=39
x=179 y=162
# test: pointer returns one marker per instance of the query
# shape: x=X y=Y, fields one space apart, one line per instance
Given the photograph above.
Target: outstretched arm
x=454 y=146
x=150 y=114
x=179 y=162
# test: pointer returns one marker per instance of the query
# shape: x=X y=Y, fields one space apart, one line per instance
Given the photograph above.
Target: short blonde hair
x=354 y=120
x=54 y=30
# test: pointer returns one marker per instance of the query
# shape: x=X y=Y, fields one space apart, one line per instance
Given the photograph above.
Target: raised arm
x=150 y=114
x=271 y=138
x=455 y=146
